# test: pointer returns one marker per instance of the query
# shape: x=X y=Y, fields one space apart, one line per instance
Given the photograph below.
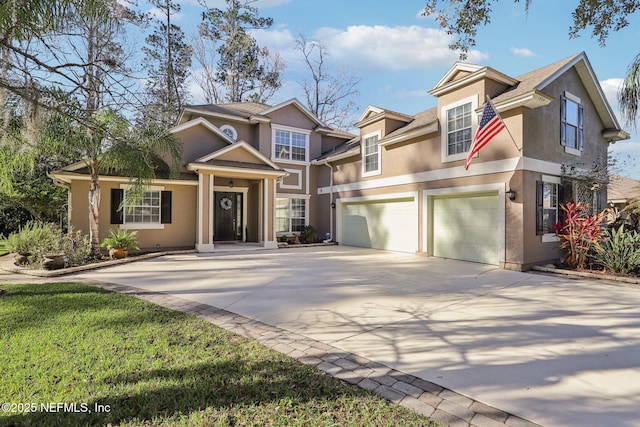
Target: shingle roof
x=621 y=188
x=341 y=148
x=532 y=80
x=421 y=119
x=240 y=109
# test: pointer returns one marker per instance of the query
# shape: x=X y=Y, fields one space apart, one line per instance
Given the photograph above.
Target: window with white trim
x=459 y=120
x=152 y=210
x=144 y=211
x=230 y=131
x=548 y=198
x=572 y=122
x=459 y=129
x=290 y=145
x=291 y=215
x=371 y=155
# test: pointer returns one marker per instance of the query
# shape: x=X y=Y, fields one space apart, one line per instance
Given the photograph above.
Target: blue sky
x=400 y=55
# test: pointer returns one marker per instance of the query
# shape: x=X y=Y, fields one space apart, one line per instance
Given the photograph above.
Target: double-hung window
x=152 y=210
x=572 y=123
x=548 y=198
x=291 y=215
x=459 y=129
x=290 y=144
x=371 y=154
x=459 y=120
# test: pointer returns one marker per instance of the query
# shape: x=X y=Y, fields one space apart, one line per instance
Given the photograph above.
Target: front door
x=228 y=216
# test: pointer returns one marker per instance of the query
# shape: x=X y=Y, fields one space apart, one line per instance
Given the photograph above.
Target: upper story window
x=459 y=120
x=459 y=129
x=290 y=144
x=572 y=123
x=230 y=131
x=371 y=154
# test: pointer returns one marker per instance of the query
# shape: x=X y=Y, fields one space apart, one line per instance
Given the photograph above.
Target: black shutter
x=539 y=208
x=563 y=120
x=580 y=127
x=117 y=216
x=165 y=207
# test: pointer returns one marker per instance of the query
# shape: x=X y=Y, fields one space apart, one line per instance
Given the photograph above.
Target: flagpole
x=505 y=125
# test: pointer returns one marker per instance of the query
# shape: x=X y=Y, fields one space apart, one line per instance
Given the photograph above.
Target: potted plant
x=119 y=243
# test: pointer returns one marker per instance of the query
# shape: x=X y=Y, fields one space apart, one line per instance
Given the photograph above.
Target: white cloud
x=610 y=88
x=370 y=48
x=222 y=4
x=522 y=51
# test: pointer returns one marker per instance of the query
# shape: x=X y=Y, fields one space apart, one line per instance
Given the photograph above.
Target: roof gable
x=241 y=152
x=206 y=124
x=533 y=83
x=462 y=74
x=299 y=106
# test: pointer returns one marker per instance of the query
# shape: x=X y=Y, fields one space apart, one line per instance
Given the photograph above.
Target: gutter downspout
x=331 y=212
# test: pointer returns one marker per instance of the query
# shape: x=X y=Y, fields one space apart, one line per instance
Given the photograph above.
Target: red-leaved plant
x=580 y=233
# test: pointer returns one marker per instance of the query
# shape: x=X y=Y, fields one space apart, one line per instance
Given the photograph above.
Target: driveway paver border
x=429 y=399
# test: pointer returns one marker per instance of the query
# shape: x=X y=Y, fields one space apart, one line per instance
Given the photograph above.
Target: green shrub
x=619 y=251
x=121 y=240
x=33 y=238
x=42 y=239
x=308 y=234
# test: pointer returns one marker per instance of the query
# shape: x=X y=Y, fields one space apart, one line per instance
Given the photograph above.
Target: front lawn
x=72 y=355
x=3 y=248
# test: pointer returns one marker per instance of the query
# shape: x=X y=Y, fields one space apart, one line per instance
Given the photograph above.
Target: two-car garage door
x=464 y=227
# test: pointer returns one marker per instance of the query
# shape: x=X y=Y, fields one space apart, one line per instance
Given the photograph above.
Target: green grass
x=71 y=343
x=3 y=248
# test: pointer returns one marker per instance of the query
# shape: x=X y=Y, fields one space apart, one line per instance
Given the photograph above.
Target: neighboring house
x=621 y=191
x=253 y=172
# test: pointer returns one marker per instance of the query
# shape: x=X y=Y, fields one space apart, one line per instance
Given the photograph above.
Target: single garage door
x=381 y=224
x=466 y=227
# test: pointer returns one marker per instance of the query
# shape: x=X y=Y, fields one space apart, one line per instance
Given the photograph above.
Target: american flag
x=490 y=126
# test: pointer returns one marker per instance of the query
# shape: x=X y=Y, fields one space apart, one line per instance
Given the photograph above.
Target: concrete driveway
x=556 y=351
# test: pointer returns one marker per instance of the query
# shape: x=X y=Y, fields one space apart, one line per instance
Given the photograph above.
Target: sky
x=400 y=55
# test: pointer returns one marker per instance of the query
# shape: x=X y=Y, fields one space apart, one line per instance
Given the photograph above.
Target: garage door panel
x=386 y=224
x=466 y=228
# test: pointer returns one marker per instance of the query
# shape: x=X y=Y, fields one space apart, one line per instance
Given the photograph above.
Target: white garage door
x=381 y=224
x=466 y=228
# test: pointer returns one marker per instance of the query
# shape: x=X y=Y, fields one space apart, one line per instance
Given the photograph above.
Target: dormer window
x=459 y=121
x=230 y=131
x=371 y=154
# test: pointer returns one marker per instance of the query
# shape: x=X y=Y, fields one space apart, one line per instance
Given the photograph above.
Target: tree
x=462 y=19
x=167 y=61
x=328 y=93
x=78 y=68
x=244 y=70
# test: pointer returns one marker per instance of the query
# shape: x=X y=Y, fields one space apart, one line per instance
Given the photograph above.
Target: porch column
x=268 y=220
x=205 y=213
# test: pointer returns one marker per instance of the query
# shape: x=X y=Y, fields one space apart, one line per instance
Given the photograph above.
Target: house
x=621 y=191
x=253 y=172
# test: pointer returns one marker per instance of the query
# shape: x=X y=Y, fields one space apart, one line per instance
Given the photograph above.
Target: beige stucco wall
x=179 y=234
x=198 y=141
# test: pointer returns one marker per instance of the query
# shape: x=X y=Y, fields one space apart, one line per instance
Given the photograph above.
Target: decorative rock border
x=587 y=275
x=12 y=268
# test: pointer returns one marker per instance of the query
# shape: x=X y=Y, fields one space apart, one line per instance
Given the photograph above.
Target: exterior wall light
x=230 y=183
x=511 y=195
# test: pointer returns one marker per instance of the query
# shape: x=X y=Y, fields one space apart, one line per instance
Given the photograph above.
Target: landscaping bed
x=79 y=355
